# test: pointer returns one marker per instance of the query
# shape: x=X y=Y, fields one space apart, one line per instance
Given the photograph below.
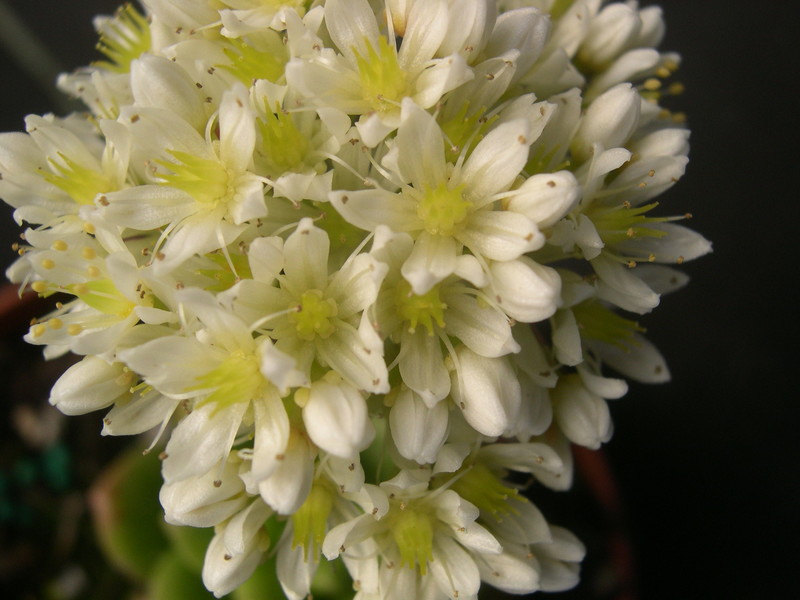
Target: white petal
x=201 y=441
x=138 y=414
x=146 y=207
x=478 y=539
x=352 y=26
x=295 y=571
x=418 y=431
x=582 y=416
x=483 y=329
x=546 y=197
x=347 y=354
x=527 y=291
x=425 y=30
x=336 y=419
x=641 y=360
x=265 y=255
x=501 y=235
x=454 y=570
x=223 y=573
x=237 y=129
x=88 y=385
x=241 y=530
x=162 y=83
x=306 y=257
x=432 y=259
x=609 y=121
x=678 y=245
x=420 y=147
x=487 y=392
x=510 y=573
x=271 y=436
x=422 y=365
x=369 y=209
x=204 y=501
x=497 y=160
x=286 y=489
x=618 y=284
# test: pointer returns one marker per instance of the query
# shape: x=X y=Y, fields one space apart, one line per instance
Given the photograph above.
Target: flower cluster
x=360 y=262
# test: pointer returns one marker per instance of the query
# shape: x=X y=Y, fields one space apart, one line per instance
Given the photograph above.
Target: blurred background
x=706 y=466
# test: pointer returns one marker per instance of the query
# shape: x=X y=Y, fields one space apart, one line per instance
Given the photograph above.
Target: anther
x=93 y=271
x=676 y=88
x=40 y=287
x=38 y=330
x=652 y=84
x=88 y=253
x=60 y=245
x=55 y=323
x=48 y=264
x=74 y=329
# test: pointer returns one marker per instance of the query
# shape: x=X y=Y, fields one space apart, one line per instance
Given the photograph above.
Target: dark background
x=707 y=465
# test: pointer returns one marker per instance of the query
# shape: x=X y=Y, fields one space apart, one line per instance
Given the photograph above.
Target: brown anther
x=217 y=483
x=680 y=260
x=134 y=118
x=551 y=183
x=631 y=264
x=163 y=456
x=522 y=139
x=103 y=201
x=651 y=173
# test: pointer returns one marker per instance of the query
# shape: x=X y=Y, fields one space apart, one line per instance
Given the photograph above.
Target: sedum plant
x=358 y=264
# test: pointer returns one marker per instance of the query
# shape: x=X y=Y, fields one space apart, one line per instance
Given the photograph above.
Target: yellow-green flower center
x=124 y=39
x=618 y=223
x=598 y=322
x=442 y=209
x=383 y=82
x=314 y=315
x=80 y=183
x=412 y=531
x=103 y=295
x=204 y=179
x=311 y=519
x=486 y=491
x=236 y=379
x=264 y=58
x=426 y=309
x=285 y=147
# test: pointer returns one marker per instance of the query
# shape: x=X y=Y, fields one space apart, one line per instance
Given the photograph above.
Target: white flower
x=447 y=207
x=205 y=191
x=426 y=539
x=370 y=76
